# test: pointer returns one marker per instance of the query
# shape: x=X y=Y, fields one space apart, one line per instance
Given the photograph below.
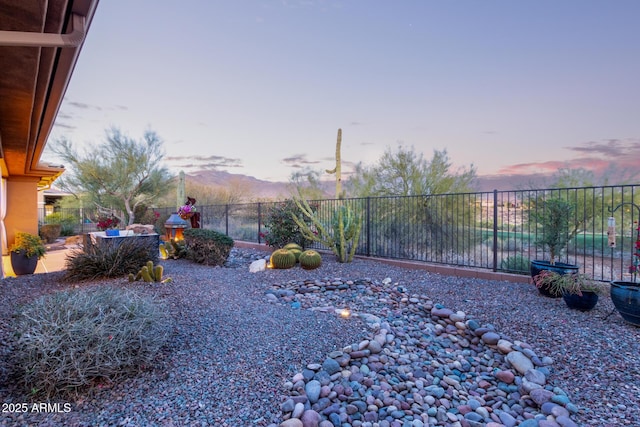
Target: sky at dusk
x=261 y=87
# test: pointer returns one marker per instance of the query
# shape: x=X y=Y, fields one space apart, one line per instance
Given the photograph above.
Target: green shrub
x=67 y=222
x=281 y=228
x=29 y=244
x=69 y=340
x=158 y=223
x=50 y=232
x=207 y=247
x=518 y=264
x=143 y=214
x=110 y=258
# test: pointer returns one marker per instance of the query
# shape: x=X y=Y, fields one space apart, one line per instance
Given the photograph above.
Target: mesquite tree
x=119 y=174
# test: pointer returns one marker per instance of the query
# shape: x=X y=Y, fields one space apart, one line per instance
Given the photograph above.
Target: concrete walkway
x=53 y=260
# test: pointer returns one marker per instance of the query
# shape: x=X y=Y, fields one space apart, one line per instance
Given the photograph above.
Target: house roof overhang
x=40 y=41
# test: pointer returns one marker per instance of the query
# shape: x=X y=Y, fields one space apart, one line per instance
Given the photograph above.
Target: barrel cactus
x=310 y=259
x=290 y=246
x=296 y=252
x=282 y=259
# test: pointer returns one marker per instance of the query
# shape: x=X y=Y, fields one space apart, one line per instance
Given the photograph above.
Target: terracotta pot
x=626 y=298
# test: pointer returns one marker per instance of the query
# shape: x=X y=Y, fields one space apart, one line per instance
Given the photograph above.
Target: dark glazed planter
x=21 y=264
x=559 y=267
x=626 y=298
x=584 y=302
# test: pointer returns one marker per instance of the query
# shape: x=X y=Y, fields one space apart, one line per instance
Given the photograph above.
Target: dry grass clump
x=110 y=259
x=69 y=340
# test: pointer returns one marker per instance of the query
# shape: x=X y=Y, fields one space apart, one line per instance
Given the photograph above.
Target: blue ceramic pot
x=626 y=298
x=22 y=264
x=559 y=267
x=584 y=302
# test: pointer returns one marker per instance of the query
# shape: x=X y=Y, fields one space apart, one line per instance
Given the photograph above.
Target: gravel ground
x=231 y=350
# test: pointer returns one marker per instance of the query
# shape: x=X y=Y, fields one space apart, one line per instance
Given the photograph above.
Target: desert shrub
x=158 y=223
x=281 y=228
x=50 y=232
x=111 y=258
x=67 y=222
x=207 y=247
x=69 y=340
x=518 y=263
x=142 y=214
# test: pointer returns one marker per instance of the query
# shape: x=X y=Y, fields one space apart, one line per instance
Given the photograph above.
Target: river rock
x=312 y=390
x=257 y=266
x=519 y=361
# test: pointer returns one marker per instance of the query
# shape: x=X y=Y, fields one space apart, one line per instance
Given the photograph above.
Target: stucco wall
x=22 y=197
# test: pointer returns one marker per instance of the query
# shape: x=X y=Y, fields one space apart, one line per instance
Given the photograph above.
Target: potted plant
x=554 y=218
x=625 y=294
x=578 y=291
x=26 y=250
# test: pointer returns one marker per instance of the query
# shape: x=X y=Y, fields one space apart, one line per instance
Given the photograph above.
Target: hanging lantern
x=174 y=227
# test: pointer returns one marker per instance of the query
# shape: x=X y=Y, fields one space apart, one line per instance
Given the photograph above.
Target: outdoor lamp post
x=174 y=227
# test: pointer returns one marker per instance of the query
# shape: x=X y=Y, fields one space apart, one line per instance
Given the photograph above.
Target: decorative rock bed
x=423 y=364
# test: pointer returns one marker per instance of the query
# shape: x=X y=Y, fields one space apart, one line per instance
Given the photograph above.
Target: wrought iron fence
x=487 y=230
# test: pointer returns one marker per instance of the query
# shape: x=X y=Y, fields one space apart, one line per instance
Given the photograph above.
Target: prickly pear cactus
x=310 y=260
x=282 y=259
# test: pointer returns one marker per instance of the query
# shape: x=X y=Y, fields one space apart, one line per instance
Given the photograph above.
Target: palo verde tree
x=430 y=199
x=118 y=175
x=404 y=172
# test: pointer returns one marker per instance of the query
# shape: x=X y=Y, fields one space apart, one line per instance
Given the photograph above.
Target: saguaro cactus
x=338 y=169
x=343 y=233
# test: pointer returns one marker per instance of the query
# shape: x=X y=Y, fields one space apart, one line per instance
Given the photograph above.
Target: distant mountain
x=261 y=189
x=257 y=187
x=510 y=182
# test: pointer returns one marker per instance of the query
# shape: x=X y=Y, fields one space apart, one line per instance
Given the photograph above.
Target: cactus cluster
x=173 y=249
x=150 y=273
x=291 y=254
x=294 y=248
x=310 y=260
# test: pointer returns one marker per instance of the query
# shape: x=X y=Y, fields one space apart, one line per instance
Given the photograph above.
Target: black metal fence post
x=368 y=225
x=226 y=219
x=495 y=230
x=259 y=222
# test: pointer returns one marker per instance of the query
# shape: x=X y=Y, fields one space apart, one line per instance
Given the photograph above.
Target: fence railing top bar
x=470 y=193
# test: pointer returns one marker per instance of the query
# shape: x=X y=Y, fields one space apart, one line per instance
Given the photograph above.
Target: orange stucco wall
x=22 y=202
